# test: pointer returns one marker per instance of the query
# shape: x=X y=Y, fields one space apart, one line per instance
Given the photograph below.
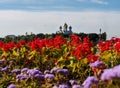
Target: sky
x=45 y=16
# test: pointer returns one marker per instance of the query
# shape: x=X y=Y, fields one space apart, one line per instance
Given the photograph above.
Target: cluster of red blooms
x=83 y=49
x=7 y=46
x=114 y=44
x=105 y=45
x=56 y=42
x=78 y=47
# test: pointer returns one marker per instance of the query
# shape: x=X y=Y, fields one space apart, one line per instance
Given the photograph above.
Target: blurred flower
x=2 y=61
x=46 y=72
x=17 y=71
x=65 y=71
x=24 y=69
x=22 y=77
x=111 y=73
x=12 y=86
x=96 y=64
x=54 y=70
x=5 y=69
x=50 y=76
x=89 y=81
x=64 y=86
x=39 y=76
x=60 y=71
x=33 y=72
x=76 y=86
x=72 y=82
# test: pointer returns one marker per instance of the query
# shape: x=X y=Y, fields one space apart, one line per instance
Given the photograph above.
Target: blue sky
x=61 y=5
x=45 y=16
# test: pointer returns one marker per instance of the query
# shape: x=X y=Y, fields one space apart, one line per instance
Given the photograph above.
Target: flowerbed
x=60 y=63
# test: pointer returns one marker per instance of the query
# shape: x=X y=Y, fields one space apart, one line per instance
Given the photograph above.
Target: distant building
x=65 y=29
x=10 y=36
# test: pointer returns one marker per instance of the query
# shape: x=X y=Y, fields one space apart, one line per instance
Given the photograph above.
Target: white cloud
x=19 y=22
x=99 y=1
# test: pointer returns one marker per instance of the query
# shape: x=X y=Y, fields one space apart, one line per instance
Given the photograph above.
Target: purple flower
x=89 y=81
x=17 y=71
x=76 y=86
x=65 y=71
x=60 y=71
x=72 y=82
x=39 y=76
x=96 y=64
x=54 y=70
x=108 y=74
x=46 y=72
x=22 y=77
x=88 y=85
x=111 y=73
x=33 y=72
x=12 y=86
x=5 y=69
x=24 y=69
x=64 y=86
x=50 y=76
x=116 y=71
x=2 y=61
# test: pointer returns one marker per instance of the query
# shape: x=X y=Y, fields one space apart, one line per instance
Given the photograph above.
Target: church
x=65 y=29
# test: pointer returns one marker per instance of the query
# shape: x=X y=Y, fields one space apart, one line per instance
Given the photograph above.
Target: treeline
x=92 y=36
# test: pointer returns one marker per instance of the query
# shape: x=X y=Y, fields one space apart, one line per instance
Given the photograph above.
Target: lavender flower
x=24 y=69
x=17 y=71
x=2 y=61
x=96 y=64
x=50 y=76
x=39 y=76
x=76 y=86
x=89 y=81
x=22 y=77
x=60 y=71
x=46 y=72
x=107 y=74
x=12 y=86
x=65 y=71
x=116 y=71
x=54 y=70
x=64 y=86
x=33 y=72
x=111 y=73
x=72 y=82
x=5 y=69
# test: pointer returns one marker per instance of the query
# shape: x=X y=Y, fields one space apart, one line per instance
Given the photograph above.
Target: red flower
x=75 y=40
x=105 y=45
x=117 y=46
x=92 y=58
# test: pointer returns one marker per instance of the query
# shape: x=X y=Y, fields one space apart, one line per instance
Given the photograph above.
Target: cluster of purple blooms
x=25 y=73
x=111 y=73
